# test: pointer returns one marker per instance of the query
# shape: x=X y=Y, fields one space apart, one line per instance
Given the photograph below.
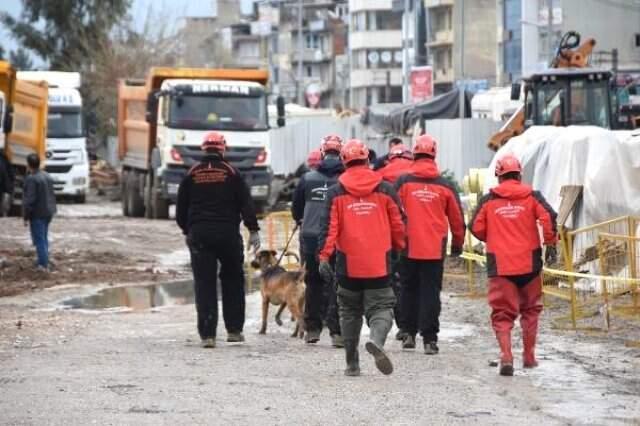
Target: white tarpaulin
x=606 y=163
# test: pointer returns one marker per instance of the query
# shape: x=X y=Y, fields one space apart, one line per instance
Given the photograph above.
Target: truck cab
x=67 y=160
x=188 y=109
x=569 y=96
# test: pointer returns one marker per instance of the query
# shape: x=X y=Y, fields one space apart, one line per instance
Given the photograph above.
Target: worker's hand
x=456 y=251
x=254 y=241
x=326 y=272
x=550 y=255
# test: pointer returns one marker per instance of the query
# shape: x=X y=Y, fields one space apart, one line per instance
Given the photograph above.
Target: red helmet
x=399 y=151
x=314 y=159
x=507 y=164
x=425 y=144
x=331 y=143
x=354 y=150
x=214 y=141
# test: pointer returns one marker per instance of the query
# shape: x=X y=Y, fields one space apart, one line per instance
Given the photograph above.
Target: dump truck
x=24 y=125
x=162 y=121
x=66 y=153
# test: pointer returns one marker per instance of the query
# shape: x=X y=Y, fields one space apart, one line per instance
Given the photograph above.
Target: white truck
x=66 y=151
x=162 y=121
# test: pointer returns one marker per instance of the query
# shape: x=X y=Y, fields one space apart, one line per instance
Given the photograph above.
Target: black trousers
x=320 y=297
x=420 y=297
x=207 y=249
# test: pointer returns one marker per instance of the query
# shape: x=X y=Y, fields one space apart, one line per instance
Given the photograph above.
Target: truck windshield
x=64 y=123
x=206 y=112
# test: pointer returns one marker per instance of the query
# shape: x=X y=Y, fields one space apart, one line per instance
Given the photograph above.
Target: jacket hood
x=331 y=166
x=512 y=189
x=425 y=168
x=360 y=180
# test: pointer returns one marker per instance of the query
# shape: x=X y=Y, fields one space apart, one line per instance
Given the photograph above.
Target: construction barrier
x=598 y=273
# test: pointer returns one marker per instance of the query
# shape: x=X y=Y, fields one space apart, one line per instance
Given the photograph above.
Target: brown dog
x=281 y=288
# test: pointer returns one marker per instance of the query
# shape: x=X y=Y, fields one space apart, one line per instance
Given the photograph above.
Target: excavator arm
x=570 y=54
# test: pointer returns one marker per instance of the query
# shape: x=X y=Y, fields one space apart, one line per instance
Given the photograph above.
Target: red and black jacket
x=432 y=206
x=507 y=220
x=394 y=169
x=364 y=223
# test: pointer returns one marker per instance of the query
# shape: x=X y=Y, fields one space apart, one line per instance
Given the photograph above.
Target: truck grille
x=57 y=169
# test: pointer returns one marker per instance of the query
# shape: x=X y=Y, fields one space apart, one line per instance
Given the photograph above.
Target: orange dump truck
x=23 y=114
x=162 y=121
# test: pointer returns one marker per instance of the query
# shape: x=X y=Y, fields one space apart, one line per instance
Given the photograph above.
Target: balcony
x=441 y=38
x=311 y=55
x=442 y=75
x=375 y=77
x=388 y=39
x=438 y=3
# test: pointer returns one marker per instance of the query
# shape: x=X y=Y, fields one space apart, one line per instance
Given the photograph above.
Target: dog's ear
x=273 y=253
x=255 y=264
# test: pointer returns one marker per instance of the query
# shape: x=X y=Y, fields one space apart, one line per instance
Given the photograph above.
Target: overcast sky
x=139 y=8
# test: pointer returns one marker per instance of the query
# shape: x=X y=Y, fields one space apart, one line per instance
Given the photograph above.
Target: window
x=309 y=71
x=385 y=20
x=64 y=123
x=551 y=104
x=589 y=103
x=312 y=41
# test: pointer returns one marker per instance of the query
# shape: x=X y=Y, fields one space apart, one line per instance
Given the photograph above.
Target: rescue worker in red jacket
x=363 y=226
x=400 y=160
x=507 y=219
x=432 y=207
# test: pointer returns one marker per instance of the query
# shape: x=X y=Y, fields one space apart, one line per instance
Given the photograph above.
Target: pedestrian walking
x=363 y=225
x=308 y=203
x=508 y=220
x=39 y=207
x=432 y=207
x=7 y=178
x=212 y=200
x=400 y=160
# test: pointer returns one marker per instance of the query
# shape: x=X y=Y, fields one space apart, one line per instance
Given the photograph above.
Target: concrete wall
x=475 y=47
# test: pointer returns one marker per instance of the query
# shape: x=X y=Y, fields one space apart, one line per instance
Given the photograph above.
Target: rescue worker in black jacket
x=212 y=199
x=308 y=205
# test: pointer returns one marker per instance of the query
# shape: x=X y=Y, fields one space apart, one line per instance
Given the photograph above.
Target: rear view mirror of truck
x=281 y=112
x=151 y=115
x=7 y=123
x=515 y=91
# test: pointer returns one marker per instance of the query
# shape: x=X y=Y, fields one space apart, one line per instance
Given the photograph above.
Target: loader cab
x=566 y=97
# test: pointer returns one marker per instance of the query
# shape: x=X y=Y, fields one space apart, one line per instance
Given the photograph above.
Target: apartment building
x=375 y=49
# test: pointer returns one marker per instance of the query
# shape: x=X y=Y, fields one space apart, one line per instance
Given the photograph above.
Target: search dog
x=281 y=288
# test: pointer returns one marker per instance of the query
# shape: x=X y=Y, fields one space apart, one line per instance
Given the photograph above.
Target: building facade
x=375 y=52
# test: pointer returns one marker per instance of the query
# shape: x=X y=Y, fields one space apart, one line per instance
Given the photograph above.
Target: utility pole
x=300 y=56
x=550 y=30
x=405 y=52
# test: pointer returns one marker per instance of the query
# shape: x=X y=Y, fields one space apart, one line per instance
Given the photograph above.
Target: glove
x=550 y=255
x=326 y=272
x=456 y=251
x=254 y=241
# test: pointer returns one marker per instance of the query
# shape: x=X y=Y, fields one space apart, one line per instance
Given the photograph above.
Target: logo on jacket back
x=510 y=211
x=319 y=194
x=425 y=195
x=362 y=208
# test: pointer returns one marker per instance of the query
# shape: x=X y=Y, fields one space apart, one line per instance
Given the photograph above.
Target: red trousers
x=507 y=301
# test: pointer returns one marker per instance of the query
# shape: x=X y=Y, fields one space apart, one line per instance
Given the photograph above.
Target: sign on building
x=421 y=81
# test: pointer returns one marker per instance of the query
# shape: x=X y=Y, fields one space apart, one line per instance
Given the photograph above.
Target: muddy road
x=109 y=364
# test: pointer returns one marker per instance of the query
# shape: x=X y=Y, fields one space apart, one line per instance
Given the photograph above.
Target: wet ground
x=130 y=355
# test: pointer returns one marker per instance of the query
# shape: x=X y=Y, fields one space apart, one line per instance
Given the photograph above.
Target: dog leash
x=295 y=229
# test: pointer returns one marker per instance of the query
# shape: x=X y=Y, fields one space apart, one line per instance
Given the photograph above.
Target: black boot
x=353 y=359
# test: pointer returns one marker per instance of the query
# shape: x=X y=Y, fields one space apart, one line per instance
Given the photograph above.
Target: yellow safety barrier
x=599 y=273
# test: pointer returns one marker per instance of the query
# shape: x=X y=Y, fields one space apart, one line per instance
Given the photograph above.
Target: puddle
x=135 y=297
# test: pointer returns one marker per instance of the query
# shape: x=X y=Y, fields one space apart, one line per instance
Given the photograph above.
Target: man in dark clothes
x=212 y=199
x=308 y=204
x=7 y=177
x=382 y=161
x=39 y=207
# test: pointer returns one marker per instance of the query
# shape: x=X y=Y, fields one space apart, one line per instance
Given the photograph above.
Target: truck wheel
x=159 y=205
x=136 y=202
x=124 y=194
x=148 y=207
